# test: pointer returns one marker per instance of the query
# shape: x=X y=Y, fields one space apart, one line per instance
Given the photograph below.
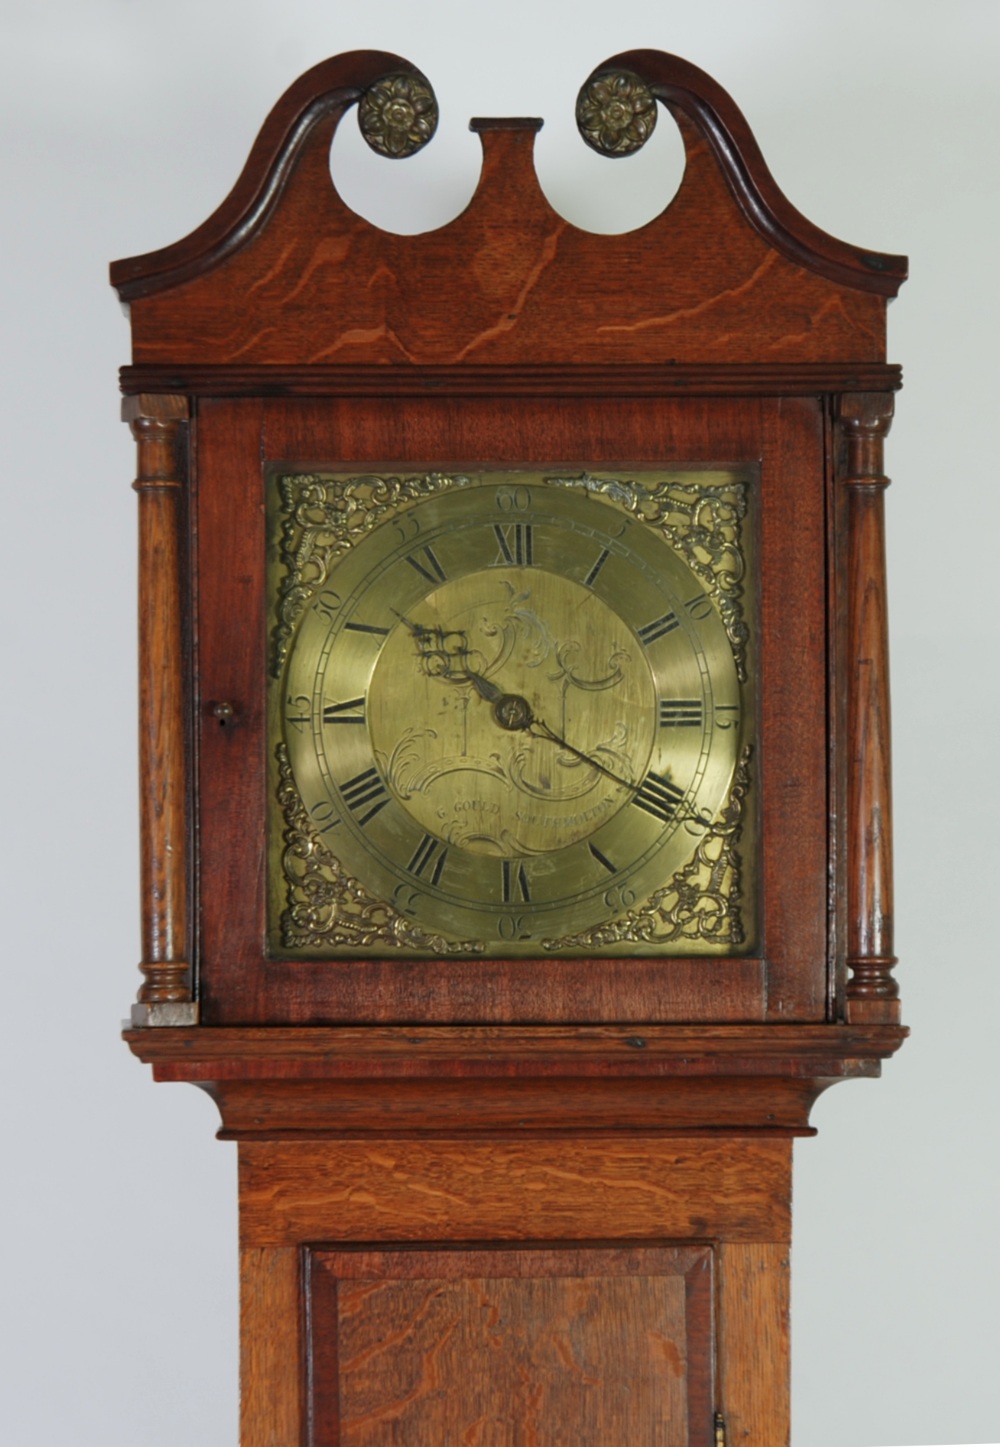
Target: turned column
x=872 y=992
x=158 y=424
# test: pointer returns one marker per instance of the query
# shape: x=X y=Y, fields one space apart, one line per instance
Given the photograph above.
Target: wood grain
x=271 y=1083
x=754 y=1382
x=580 y=379
x=271 y=1352
x=284 y=273
x=488 y=1346
x=157 y=423
x=514 y=1189
x=786 y=979
x=872 y=992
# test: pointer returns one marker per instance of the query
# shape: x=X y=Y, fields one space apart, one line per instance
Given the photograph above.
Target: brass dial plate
x=510 y=713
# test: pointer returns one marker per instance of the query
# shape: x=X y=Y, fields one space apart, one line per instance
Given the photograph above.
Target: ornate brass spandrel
x=323 y=517
x=701 y=902
x=704 y=523
x=325 y=905
x=398 y=115
x=616 y=112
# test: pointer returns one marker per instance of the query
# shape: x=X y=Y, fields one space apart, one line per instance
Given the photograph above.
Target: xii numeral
x=514 y=879
x=516 y=546
x=428 y=859
x=658 y=796
x=364 y=790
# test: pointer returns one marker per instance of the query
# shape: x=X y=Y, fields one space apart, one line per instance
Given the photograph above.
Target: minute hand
x=540 y=730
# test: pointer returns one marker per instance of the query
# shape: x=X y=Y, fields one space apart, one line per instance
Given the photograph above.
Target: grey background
x=125 y=123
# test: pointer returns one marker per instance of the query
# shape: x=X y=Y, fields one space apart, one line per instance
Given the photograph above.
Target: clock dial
x=510 y=711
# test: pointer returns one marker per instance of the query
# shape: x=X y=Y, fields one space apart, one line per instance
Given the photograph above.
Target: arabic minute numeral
x=618 y=898
x=325 y=815
x=513 y=499
x=327 y=603
x=511 y=927
x=298 y=716
x=699 y=607
x=405 y=899
x=658 y=796
x=365 y=795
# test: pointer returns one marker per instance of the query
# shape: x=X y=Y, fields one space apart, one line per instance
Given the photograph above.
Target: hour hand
x=441 y=653
x=483 y=686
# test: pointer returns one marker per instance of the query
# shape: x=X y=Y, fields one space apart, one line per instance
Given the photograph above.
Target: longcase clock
x=515 y=764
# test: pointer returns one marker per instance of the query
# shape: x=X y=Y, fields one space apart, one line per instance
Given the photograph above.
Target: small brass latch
x=720 y=1430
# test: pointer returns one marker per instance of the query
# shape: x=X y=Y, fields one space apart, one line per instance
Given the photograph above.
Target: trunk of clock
x=493 y=1234
x=515 y=1291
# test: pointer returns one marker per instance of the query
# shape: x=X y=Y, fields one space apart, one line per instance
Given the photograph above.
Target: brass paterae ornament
x=398 y=115
x=616 y=113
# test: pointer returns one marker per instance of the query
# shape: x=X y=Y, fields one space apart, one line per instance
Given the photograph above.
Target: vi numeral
x=514 y=882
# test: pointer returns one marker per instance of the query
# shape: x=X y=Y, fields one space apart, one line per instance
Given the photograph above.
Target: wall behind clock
x=125 y=124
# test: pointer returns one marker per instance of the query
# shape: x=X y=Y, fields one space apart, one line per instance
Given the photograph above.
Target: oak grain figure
x=517 y=851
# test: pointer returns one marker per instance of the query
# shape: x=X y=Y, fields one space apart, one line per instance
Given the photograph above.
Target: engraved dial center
x=510 y=710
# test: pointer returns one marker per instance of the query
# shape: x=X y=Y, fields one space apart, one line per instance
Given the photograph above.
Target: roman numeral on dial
x=680 y=713
x=602 y=558
x=658 y=796
x=516 y=544
x=514 y=879
x=351 y=712
x=430 y=568
x=363 y=790
x=428 y=859
x=602 y=859
x=367 y=628
x=658 y=628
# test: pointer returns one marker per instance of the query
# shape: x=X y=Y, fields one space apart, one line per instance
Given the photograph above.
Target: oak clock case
x=511 y=712
x=517 y=857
